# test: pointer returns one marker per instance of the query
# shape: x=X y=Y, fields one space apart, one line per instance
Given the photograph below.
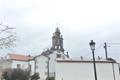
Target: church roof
x=19 y=57
x=45 y=53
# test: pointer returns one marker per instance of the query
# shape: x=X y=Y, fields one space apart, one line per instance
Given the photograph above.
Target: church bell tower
x=57 y=41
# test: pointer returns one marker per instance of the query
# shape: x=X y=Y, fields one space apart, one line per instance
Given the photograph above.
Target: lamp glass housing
x=92 y=45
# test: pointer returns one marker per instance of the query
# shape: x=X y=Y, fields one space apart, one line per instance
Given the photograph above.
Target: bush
x=16 y=74
x=51 y=78
x=35 y=76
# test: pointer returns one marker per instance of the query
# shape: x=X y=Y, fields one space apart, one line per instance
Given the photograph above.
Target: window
x=58 y=55
x=18 y=65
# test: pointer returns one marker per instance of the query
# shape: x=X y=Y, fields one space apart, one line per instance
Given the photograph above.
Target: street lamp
x=92 y=46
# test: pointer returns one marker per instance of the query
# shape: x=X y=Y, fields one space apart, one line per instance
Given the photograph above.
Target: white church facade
x=57 y=64
x=45 y=63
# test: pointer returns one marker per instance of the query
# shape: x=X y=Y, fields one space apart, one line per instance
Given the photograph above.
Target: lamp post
x=92 y=46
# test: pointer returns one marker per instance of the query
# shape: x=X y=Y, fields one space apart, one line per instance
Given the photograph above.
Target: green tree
x=16 y=74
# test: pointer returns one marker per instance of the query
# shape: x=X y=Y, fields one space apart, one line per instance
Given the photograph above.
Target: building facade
x=84 y=70
x=18 y=61
x=55 y=63
x=45 y=62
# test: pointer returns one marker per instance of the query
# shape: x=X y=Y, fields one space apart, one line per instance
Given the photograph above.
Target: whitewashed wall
x=32 y=63
x=41 y=66
x=84 y=71
x=52 y=62
x=23 y=64
x=53 y=58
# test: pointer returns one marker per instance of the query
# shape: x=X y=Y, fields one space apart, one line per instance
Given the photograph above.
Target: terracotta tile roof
x=19 y=57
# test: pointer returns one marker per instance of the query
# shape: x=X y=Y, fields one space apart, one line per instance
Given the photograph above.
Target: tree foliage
x=35 y=76
x=16 y=74
x=50 y=78
x=19 y=74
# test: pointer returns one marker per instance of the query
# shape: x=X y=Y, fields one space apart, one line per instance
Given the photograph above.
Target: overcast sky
x=79 y=22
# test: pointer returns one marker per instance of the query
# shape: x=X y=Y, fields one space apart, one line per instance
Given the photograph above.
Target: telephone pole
x=106 y=53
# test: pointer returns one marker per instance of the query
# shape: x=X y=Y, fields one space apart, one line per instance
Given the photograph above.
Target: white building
x=18 y=61
x=45 y=62
x=55 y=63
x=14 y=60
x=59 y=66
x=84 y=70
